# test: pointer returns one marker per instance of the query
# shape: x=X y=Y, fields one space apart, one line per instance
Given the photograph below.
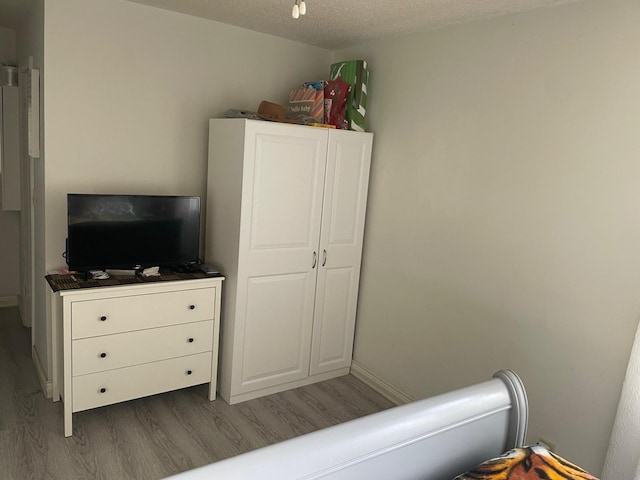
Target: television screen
x=132 y=231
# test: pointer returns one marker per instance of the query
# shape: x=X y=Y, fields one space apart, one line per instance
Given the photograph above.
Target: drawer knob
x=192 y=307
x=190 y=340
x=103 y=390
x=189 y=372
x=103 y=355
x=103 y=318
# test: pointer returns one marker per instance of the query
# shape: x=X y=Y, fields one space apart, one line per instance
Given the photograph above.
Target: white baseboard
x=379 y=385
x=47 y=385
x=11 y=301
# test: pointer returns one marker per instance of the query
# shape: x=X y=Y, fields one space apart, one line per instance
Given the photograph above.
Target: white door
x=345 y=200
x=26 y=210
x=281 y=210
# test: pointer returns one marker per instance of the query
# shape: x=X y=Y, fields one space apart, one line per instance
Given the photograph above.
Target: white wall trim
x=47 y=385
x=22 y=313
x=379 y=385
x=11 y=301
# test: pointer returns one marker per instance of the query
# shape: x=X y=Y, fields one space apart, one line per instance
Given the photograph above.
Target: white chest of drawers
x=117 y=343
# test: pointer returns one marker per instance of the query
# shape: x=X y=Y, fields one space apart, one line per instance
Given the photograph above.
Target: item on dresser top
x=117 y=271
x=99 y=274
x=209 y=270
x=151 y=272
x=122 y=231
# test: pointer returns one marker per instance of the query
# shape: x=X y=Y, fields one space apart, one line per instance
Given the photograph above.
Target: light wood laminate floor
x=153 y=437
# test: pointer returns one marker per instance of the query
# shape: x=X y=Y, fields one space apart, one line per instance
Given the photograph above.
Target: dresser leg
x=68 y=429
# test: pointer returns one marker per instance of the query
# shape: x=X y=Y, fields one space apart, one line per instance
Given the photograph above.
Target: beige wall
x=503 y=223
x=9 y=221
x=129 y=90
x=7 y=45
x=9 y=265
x=9 y=250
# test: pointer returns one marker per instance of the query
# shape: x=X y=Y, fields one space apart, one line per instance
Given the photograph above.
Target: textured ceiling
x=330 y=24
x=336 y=24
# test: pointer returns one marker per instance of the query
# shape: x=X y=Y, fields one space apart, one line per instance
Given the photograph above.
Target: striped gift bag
x=307 y=102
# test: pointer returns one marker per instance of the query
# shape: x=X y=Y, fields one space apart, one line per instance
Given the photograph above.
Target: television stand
x=128 y=337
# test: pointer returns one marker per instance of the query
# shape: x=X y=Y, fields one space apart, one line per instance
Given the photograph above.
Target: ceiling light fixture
x=299 y=9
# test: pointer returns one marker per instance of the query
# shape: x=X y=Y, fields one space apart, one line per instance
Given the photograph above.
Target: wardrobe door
x=282 y=189
x=345 y=199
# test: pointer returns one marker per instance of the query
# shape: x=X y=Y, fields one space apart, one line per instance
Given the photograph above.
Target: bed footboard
x=435 y=438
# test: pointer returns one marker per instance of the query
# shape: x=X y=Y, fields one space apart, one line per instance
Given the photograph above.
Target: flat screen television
x=132 y=231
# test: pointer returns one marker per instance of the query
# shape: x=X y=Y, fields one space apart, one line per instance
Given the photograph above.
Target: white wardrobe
x=284 y=223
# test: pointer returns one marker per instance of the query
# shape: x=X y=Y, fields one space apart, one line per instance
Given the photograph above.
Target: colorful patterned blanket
x=528 y=463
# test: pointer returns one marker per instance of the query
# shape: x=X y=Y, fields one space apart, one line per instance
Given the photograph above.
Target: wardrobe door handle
x=189 y=372
x=324 y=257
x=190 y=340
x=315 y=259
x=192 y=307
x=103 y=390
x=103 y=355
x=103 y=318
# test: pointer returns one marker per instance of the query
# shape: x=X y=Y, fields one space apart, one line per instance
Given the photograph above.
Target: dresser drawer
x=91 y=318
x=97 y=354
x=104 y=388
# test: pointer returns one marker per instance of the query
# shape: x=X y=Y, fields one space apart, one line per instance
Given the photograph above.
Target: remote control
x=208 y=269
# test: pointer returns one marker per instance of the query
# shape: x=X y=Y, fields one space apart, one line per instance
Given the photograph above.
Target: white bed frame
x=435 y=438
